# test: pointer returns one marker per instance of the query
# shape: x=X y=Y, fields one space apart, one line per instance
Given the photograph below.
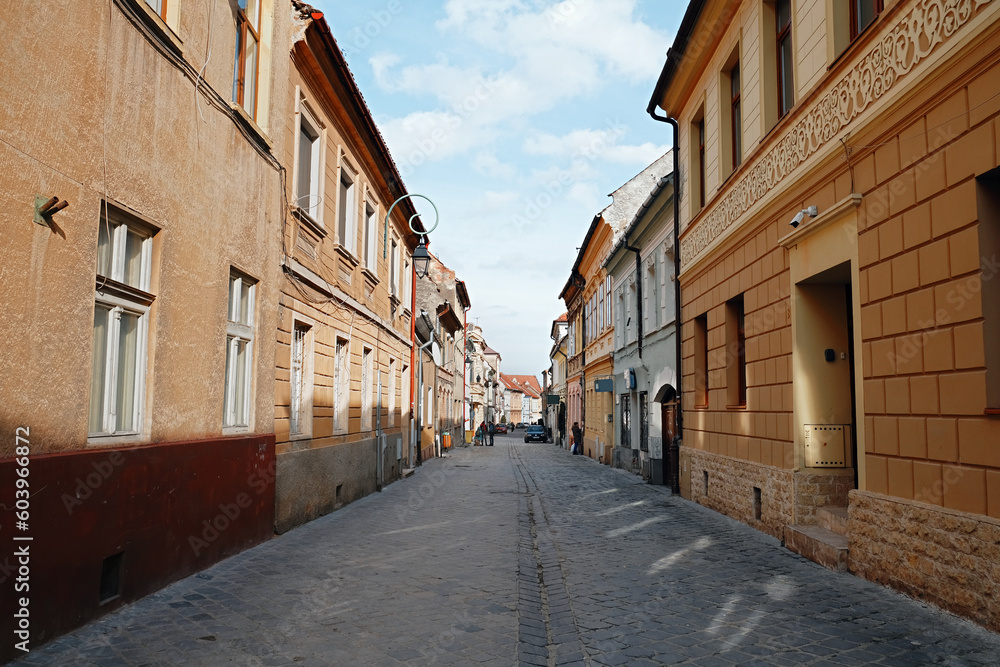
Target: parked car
x=501 y=428
x=535 y=432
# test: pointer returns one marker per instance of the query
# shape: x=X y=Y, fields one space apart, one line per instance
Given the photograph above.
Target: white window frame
x=239 y=330
x=347 y=207
x=404 y=392
x=428 y=405
x=310 y=203
x=394 y=267
x=367 y=387
x=301 y=397
x=158 y=6
x=341 y=383
x=392 y=393
x=120 y=298
x=371 y=235
x=631 y=331
x=407 y=277
x=650 y=296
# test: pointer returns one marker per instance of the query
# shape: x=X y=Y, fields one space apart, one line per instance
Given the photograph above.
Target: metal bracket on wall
x=46 y=207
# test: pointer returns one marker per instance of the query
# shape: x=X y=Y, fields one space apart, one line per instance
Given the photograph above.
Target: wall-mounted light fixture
x=421 y=258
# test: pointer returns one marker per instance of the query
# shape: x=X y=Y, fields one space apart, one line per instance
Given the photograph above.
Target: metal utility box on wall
x=826 y=445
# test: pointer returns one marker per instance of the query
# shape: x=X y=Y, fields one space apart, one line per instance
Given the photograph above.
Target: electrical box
x=826 y=445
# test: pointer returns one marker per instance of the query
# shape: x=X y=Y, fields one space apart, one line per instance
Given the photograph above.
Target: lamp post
x=421 y=256
x=466 y=371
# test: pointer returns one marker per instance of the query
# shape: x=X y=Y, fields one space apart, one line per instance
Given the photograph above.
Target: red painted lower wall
x=170 y=509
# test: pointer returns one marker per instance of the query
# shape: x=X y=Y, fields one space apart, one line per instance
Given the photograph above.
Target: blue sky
x=517 y=118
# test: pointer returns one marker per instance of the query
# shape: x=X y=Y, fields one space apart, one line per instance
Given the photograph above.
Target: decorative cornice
x=912 y=39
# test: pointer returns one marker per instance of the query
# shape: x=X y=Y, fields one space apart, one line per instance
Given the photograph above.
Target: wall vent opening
x=111 y=578
x=756 y=503
x=705 y=473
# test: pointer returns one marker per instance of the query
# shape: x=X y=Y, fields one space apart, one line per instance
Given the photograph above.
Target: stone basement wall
x=814 y=489
x=948 y=558
x=730 y=490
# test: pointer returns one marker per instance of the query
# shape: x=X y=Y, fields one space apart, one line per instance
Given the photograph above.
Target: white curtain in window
x=128 y=341
x=98 y=377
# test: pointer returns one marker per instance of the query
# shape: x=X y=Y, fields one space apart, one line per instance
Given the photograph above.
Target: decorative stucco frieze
x=916 y=35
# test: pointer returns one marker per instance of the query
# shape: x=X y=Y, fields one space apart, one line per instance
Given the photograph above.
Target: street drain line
x=541 y=586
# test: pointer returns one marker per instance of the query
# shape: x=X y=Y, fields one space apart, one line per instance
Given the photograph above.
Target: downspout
x=638 y=293
x=674 y=463
x=413 y=350
x=465 y=355
x=565 y=376
x=420 y=400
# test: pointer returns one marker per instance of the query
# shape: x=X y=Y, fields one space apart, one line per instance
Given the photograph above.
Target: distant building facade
x=641 y=266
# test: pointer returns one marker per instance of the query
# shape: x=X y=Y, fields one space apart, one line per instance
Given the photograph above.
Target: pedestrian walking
x=493 y=430
x=577 y=438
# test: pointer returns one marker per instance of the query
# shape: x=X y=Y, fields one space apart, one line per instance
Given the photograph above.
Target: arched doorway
x=664 y=473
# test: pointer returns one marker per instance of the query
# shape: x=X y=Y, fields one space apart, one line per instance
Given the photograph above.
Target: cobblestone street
x=522 y=554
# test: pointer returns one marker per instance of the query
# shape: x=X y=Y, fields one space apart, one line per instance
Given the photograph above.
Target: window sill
x=738 y=406
x=314 y=225
x=101 y=440
x=347 y=256
x=370 y=276
x=235 y=430
x=149 y=19
x=244 y=118
x=113 y=288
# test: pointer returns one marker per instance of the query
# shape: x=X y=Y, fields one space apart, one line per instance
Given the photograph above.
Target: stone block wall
x=820 y=488
x=946 y=557
x=731 y=484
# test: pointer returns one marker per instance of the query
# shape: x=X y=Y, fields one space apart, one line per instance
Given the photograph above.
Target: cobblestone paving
x=522 y=554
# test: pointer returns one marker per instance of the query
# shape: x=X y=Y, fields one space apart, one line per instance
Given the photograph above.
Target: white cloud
x=592 y=145
x=487 y=164
x=429 y=136
x=380 y=64
x=643 y=154
x=540 y=55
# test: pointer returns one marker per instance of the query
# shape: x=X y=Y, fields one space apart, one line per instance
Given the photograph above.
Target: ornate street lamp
x=421 y=258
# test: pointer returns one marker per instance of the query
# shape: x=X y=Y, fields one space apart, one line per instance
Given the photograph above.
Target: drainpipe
x=565 y=375
x=413 y=349
x=465 y=355
x=420 y=398
x=674 y=458
x=638 y=294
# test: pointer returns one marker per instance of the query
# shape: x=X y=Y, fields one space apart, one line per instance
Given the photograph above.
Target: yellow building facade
x=591 y=329
x=839 y=323
x=343 y=362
